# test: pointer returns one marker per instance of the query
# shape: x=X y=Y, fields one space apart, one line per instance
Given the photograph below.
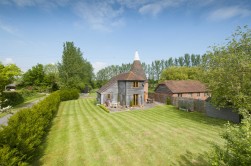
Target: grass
x=83 y=134
x=34 y=97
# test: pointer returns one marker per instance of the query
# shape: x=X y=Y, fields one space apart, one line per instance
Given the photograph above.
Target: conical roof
x=137 y=68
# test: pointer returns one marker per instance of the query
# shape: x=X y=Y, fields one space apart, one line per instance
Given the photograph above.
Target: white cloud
x=100 y=15
x=7 y=28
x=157 y=7
x=98 y=66
x=7 y=61
x=45 y=4
x=152 y=9
x=229 y=12
x=133 y=3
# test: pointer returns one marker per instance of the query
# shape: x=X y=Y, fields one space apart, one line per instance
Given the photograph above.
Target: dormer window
x=135 y=84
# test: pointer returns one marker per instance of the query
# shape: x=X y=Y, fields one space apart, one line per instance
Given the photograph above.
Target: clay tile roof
x=112 y=81
x=185 y=86
x=138 y=69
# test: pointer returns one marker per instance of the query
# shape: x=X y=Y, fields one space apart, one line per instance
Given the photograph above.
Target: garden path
x=4 y=120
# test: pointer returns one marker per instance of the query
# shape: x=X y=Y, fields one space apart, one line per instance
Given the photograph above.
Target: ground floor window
x=179 y=94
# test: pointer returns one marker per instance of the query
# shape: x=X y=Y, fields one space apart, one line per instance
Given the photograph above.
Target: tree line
x=153 y=70
x=72 y=72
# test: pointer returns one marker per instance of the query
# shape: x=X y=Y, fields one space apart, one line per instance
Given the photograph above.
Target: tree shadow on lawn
x=200 y=118
x=190 y=159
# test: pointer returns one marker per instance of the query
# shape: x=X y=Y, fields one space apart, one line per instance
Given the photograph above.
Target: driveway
x=4 y=120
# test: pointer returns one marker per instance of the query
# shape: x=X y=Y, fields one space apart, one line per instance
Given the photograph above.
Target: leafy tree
x=181 y=61
x=34 y=76
x=74 y=70
x=176 y=62
x=229 y=71
x=228 y=75
x=170 y=62
x=51 y=76
x=181 y=73
x=8 y=74
x=187 y=59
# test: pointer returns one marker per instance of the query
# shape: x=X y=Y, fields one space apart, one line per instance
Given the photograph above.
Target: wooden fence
x=190 y=104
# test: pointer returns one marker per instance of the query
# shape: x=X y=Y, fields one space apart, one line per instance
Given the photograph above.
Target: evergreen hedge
x=26 y=129
x=69 y=94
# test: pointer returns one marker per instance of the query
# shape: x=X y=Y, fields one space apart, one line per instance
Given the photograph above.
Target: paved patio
x=144 y=107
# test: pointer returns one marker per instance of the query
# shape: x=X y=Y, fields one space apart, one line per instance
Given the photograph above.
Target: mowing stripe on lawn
x=83 y=134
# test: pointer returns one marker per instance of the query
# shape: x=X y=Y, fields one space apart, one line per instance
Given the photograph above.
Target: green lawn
x=84 y=134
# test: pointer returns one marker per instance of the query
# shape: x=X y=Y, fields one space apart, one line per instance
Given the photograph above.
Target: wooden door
x=135 y=99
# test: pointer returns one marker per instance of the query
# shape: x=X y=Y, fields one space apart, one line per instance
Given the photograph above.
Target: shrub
x=131 y=103
x=13 y=98
x=186 y=104
x=168 y=101
x=104 y=108
x=25 y=130
x=68 y=94
x=27 y=93
x=237 y=147
x=8 y=156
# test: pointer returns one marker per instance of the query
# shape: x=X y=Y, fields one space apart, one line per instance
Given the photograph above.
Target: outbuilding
x=183 y=88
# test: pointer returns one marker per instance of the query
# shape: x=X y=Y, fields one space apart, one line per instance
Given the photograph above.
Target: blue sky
x=109 y=32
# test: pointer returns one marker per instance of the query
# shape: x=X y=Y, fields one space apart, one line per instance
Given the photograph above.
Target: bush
x=237 y=147
x=186 y=104
x=68 y=94
x=13 y=98
x=168 y=101
x=25 y=130
x=104 y=108
x=27 y=93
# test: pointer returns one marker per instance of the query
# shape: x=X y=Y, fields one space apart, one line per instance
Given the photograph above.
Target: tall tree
x=193 y=60
x=187 y=60
x=198 y=60
x=74 y=70
x=170 y=62
x=51 y=76
x=176 y=62
x=181 y=61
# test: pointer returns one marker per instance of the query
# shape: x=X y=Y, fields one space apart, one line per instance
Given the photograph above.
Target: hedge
x=104 y=108
x=68 y=94
x=13 y=98
x=26 y=129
